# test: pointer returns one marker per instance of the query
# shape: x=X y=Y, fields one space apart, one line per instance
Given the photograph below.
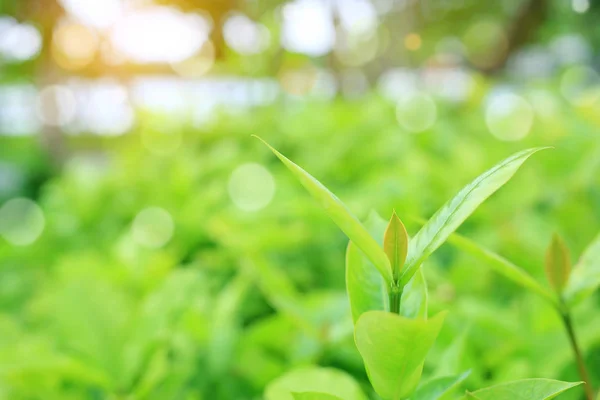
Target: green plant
x=569 y=286
x=388 y=292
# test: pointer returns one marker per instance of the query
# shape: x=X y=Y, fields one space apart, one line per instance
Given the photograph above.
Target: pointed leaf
x=395 y=244
x=414 y=297
x=365 y=286
x=526 y=389
x=436 y=388
x=501 y=265
x=340 y=214
x=394 y=350
x=585 y=278
x=315 y=380
x=558 y=263
x=314 y=396
x=448 y=218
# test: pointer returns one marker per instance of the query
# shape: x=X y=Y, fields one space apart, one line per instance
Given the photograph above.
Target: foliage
x=236 y=299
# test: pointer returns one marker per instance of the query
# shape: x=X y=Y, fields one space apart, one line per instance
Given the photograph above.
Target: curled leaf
x=395 y=244
x=558 y=263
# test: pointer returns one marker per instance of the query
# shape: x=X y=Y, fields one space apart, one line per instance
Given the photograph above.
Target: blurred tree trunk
x=522 y=30
x=45 y=13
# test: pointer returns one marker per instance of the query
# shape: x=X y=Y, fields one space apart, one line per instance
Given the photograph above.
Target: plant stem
x=395 y=299
x=583 y=373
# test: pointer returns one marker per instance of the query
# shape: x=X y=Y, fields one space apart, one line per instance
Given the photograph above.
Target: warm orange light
x=413 y=41
x=197 y=65
x=298 y=81
x=74 y=45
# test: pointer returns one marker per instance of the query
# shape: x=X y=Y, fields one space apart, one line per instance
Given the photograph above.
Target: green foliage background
x=236 y=298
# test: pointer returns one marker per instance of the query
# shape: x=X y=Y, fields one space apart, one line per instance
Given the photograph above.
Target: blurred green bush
x=99 y=308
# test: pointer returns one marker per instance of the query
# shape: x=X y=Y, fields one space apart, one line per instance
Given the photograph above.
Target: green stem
x=395 y=299
x=583 y=372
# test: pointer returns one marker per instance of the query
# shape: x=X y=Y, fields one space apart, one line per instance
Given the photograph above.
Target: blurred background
x=151 y=249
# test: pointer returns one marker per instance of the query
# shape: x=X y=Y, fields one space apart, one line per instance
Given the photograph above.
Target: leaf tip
x=395 y=244
x=558 y=263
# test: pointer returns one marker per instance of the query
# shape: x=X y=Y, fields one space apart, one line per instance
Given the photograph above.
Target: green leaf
x=448 y=218
x=395 y=244
x=502 y=266
x=414 y=297
x=585 y=278
x=436 y=388
x=340 y=214
x=526 y=389
x=364 y=284
x=314 y=396
x=319 y=380
x=366 y=288
x=558 y=263
x=394 y=349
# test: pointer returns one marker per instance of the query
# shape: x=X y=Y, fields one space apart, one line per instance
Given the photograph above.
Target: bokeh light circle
x=21 y=221
x=416 y=112
x=153 y=227
x=251 y=187
x=56 y=105
x=74 y=45
x=198 y=64
x=509 y=117
x=19 y=42
x=580 y=85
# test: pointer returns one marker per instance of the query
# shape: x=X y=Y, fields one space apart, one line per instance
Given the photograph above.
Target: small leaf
x=414 y=297
x=448 y=218
x=340 y=214
x=314 y=396
x=328 y=381
x=395 y=244
x=526 y=389
x=585 y=278
x=502 y=266
x=436 y=388
x=394 y=349
x=364 y=284
x=558 y=263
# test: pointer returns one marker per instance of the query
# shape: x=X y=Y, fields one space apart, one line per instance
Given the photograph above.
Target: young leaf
x=364 y=284
x=314 y=396
x=340 y=214
x=558 y=263
x=395 y=244
x=436 y=388
x=394 y=349
x=501 y=265
x=414 y=297
x=328 y=381
x=585 y=278
x=526 y=389
x=448 y=218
